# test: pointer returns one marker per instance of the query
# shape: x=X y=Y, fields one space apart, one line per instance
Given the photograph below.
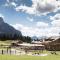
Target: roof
x=28 y=44
x=36 y=42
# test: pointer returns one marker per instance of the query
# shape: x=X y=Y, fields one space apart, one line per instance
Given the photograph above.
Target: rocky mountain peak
x=1 y=20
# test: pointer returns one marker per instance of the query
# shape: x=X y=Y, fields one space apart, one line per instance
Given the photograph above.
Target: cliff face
x=7 y=29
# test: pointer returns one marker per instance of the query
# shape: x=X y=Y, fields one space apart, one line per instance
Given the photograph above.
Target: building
x=52 y=45
x=55 y=45
x=29 y=46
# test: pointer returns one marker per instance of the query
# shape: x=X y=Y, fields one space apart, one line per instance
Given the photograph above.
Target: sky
x=32 y=17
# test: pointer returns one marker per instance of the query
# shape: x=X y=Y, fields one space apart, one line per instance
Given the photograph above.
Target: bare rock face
x=7 y=29
x=1 y=20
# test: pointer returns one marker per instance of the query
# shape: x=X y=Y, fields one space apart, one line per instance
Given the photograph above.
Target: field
x=11 y=57
x=25 y=57
x=30 y=57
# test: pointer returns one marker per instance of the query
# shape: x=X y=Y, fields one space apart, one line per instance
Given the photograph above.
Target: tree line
x=4 y=37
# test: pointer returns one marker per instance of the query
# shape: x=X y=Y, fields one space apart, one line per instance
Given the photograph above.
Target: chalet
x=52 y=45
x=32 y=46
x=55 y=45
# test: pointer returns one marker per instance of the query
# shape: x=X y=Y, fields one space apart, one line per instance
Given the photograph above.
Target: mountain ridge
x=5 y=28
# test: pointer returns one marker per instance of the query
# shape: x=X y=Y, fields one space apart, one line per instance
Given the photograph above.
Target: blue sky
x=32 y=17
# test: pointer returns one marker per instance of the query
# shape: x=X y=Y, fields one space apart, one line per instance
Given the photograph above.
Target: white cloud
x=42 y=24
x=8 y=3
x=56 y=23
x=55 y=20
x=1 y=16
x=13 y=4
x=31 y=31
x=26 y=9
x=41 y=29
x=27 y=31
x=30 y=19
x=40 y=7
x=56 y=17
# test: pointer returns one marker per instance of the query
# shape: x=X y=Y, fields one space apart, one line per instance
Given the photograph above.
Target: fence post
x=7 y=50
x=2 y=52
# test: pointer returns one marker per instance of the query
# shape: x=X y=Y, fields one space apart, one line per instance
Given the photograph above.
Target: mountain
x=7 y=29
x=42 y=37
x=34 y=37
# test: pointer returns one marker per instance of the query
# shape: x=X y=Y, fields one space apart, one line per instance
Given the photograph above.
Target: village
x=33 y=48
x=29 y=29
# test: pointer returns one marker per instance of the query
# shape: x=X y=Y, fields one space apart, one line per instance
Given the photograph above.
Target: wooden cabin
x=55 y=45
x=52 y=45
x=32 y=46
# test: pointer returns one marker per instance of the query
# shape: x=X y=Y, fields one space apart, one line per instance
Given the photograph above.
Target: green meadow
x=26 y=57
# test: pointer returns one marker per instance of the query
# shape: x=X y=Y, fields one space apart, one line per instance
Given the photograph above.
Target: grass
x=6 y=42
x=37 y=51
x=25 y=57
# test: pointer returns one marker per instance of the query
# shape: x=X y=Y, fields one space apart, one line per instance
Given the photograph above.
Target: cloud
x=42 y=24
x=56 y=23
x=1 y=16
x=30 y=19
x=25 y=30
x=13 y=4
x=40 y=7
x=56 y=17
x=10 y=3
x=42 y=28
x=55 y=20
x=26 y=9
x=35 y=31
